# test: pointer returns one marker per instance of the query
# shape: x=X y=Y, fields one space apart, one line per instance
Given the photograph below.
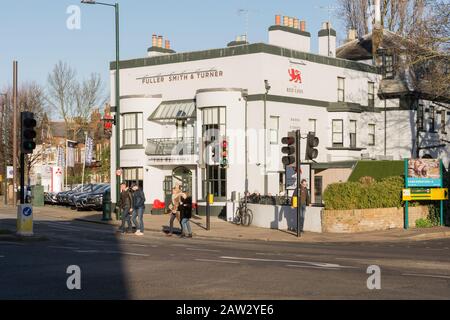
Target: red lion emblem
x=295 y=75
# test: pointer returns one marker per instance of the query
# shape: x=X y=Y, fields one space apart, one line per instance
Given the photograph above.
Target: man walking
x=139 y=208
x=305 y=201
x=186 y=215
x=126 y=208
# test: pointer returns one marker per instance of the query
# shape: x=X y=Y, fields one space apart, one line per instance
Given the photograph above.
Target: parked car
x=92 y=200
x=63 y=197
x=51 y=198
x=87 y=189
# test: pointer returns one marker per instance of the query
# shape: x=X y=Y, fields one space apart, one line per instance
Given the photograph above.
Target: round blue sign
x=27 y=211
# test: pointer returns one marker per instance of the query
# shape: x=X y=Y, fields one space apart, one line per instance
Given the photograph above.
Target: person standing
x=139 y=208
x=186 y=215
x=174 y=208
x=305 y=200
x=126 y=208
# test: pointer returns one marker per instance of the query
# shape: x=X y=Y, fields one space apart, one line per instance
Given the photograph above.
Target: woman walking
x=174 y=208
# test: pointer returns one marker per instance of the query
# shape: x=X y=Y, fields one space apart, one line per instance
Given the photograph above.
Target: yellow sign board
x=431 y=194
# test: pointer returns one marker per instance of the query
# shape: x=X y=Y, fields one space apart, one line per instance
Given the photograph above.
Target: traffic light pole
x=297 y=165
x=22 y=178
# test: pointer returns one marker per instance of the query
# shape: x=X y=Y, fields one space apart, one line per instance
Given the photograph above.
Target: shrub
x=386 y=193
x=424 y=223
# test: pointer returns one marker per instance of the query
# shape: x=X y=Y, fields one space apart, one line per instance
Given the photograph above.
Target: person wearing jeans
x=126 y=207
x=304 y=201
x=186 y=214
x=138 y=212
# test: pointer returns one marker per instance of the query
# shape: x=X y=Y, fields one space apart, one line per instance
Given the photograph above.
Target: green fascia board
x=377 y=170
x=290 y=30
x=244 y=50
x=324 y=33
x=161 y=50
x=237 y=43
x=333 y=165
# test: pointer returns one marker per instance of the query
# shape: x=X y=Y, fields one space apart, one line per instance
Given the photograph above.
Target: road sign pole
x=442 y=213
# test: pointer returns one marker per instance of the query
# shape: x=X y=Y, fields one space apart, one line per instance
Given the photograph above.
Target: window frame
x=353 y=124
x=138 y=129
x=339 y=90
x=371 y=136
x=333 y=133
x=277 y=130
x=371 y=95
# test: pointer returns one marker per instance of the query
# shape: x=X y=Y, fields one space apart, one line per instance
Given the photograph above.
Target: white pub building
x=176 y=106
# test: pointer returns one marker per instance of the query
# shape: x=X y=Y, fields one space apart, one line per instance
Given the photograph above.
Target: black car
x=93 y=200
x=62 y=197
x=87 y=189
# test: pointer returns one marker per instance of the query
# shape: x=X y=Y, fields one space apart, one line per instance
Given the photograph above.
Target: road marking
x=426 y=275
x=206 y=250
x=310 y=267
x=2 y=256
x=129 y=253
x=64 y=248
x=317 y=264
x=138 y=245
x=218 y=261
x=87 y=251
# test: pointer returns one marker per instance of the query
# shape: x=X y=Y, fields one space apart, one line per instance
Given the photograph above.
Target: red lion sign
x=296 y=75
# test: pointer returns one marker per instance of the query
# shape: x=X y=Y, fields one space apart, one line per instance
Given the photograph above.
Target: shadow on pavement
x=38 y=269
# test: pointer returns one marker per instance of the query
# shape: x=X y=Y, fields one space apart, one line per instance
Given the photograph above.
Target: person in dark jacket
x=139 y=208
x=186 y=214
x=126 y=208
x=304 y=200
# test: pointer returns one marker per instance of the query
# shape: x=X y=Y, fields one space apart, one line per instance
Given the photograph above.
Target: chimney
x=157 y=48
x=292 y=34
x=160 y=41
x=303 y=26
x=278 y=20
x=240 y=40
x=351 y=35
x=377 y=14
x=291 y=22
x=327 y=40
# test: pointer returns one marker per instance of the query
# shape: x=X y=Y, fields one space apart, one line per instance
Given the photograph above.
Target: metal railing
x=167 y=147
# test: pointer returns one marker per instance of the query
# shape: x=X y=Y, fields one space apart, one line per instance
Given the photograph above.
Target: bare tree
x=61 y=92
x=355 y=15
x=87 y=95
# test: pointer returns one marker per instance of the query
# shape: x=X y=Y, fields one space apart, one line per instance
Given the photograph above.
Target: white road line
x=310 y=267
x=2 y=256
x=206 y=250
x=425 y=275
x=218 y=261
x=87 y=251
x=138 y=245
x=64 y=248
x=317 y=264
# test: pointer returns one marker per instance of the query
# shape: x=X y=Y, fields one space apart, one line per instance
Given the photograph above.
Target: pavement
x=154 y=266
x=221 y=229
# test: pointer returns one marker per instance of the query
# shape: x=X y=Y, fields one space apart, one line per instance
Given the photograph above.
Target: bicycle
x=243 y=217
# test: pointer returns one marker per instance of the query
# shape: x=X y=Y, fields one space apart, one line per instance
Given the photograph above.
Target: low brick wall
x=352 y=221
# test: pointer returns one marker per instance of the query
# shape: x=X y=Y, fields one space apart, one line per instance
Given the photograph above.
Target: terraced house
x=178 y=108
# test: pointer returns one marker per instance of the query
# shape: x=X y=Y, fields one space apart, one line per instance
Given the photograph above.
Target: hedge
x=366 y=194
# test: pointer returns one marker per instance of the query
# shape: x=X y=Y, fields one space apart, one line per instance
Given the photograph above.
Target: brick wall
x=351 y=221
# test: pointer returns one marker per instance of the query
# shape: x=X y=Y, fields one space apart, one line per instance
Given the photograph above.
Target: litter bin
x=106 y=206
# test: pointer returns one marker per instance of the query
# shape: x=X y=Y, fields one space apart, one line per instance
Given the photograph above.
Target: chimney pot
x=286 y=21
x=303 y=25
x=160 y=41
x=296 y=23
x=154 y=40
x=167 y=44
x=278 y=20
x=291 y=22
x=351 y=34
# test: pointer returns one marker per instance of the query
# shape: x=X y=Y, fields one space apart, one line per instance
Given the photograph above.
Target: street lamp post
x=117 y=87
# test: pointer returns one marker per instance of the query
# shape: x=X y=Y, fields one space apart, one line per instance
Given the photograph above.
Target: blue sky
x=34 y=32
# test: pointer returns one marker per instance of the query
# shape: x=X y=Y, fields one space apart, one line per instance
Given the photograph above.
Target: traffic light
x=311 y=144
x=224 y=153
x=28 y=132
x=290 y=150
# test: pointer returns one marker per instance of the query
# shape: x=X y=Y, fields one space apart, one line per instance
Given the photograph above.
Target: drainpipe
x=245 y=96
x=266 y=178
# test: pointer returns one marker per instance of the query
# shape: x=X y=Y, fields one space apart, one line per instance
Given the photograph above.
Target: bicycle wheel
x=237 y=217
x=247 y=218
